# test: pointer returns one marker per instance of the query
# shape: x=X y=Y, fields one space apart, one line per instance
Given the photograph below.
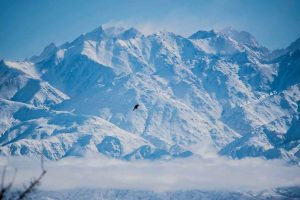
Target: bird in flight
x=136 y=107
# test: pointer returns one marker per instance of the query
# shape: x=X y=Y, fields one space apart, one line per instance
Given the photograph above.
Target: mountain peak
x=203 y=34
x=242 y=37
x=47 y=52
x=95 y=34
x=294 y=46
x=112 y=32
x=130 y=33
x=280 y=52
x=50 y=48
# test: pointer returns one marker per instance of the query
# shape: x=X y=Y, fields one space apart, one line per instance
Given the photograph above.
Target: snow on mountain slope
x=58 y=134
x=21 y=82
x=228 y=42
x=272 y=119
x=200 y=93
x=30 y=131
x=242 y=37
x=136 y=75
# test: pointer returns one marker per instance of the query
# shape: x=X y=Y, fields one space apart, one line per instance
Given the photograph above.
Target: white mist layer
x=182 y=174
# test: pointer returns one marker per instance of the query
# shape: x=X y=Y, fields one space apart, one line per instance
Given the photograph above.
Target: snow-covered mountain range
x=277 y=194
x=211 y=93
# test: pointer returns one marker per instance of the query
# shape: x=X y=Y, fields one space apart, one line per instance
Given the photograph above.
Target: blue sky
x=27 y=26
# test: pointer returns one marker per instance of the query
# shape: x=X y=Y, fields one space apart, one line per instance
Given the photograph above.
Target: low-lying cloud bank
x=183 y=174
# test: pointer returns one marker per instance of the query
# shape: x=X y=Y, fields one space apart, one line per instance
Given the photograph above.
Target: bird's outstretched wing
x=136 y=107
